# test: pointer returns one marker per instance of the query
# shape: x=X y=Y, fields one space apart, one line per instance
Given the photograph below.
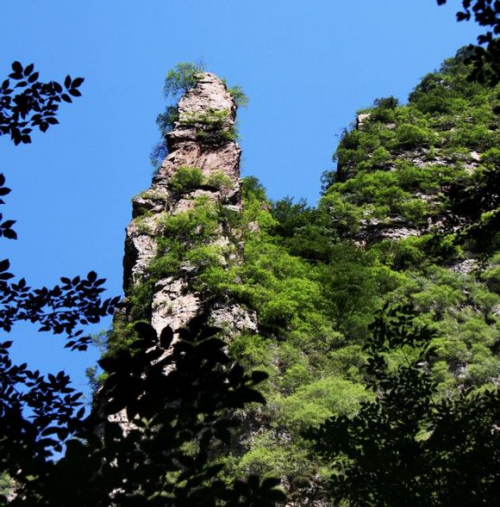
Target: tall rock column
x=180 y=224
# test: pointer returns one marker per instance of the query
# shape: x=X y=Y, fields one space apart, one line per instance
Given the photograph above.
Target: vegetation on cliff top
x=178 y=81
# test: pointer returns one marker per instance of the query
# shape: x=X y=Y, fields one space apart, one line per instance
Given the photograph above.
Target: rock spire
x=184 y=211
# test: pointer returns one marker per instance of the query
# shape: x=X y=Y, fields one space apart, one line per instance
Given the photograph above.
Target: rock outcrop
x=395 y=226
x=202 y=167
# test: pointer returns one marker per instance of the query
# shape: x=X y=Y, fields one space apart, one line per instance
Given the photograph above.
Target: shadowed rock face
x=202 y=138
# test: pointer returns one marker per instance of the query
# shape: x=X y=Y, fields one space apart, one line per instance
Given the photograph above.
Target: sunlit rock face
x=202 y=135
x=203 y=142
x=395 y=226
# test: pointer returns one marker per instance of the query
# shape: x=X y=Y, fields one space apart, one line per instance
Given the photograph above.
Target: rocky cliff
x=315 y=276
x=395 y=169
x=185 y=211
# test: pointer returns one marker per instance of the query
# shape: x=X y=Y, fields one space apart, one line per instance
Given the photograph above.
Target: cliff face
x=396 y=168
x=192 y=244
x=430 y=156
x=186 y=209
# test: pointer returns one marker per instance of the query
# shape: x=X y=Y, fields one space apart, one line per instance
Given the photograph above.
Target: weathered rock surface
x=202 y=138
x=361 y=119
x=202 y=109
x=396 y=227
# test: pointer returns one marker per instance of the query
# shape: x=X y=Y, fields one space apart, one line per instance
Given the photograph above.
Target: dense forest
x=409 y=216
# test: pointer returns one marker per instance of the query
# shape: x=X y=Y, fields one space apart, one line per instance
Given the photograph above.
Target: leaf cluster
x=26 y=102
x=38 y=414
x=486 y=56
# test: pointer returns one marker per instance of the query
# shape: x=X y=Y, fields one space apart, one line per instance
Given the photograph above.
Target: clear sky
x=306 y=65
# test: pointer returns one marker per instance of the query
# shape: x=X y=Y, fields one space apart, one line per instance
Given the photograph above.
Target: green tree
x=181 y=79
x=410 y=447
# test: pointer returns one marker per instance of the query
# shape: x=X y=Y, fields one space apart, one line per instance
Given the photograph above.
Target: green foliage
x=212 y=127
x=387 y=103
x=185 y=179
x=166 y=120
x=193 y=226
x=491 y=158
x=305 y=231
x=384 y=109
x=350 y=286
x=238 y=95
x=380 y=195
x=398 y=169
x=412 y=136
x=253 y=189
x=433 y=452
x=492 y=279
x=181 y=79
x=312 y=404
x=5 y=485
x=220 y=181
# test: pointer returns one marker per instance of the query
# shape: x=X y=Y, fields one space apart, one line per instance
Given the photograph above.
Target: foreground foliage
x=409 y=446
x=37 y=413
x=486 y=55
x=154 y=439
x=34 y=105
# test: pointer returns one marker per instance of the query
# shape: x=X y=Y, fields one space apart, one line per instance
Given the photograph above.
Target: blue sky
x=306 y=65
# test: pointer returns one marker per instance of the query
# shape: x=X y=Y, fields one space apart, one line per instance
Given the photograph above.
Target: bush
x=415 y=211
x=381 y=157
x=491 y=157
x=186 y=179
x=492 y=279
x=182 y=78
x=220 y=181
x=311 y=405
x=384 y=109
x=213 y=127
x=410 y=136
x=387 y=102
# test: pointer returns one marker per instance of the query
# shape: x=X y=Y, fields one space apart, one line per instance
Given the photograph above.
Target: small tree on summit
x=179 y=80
